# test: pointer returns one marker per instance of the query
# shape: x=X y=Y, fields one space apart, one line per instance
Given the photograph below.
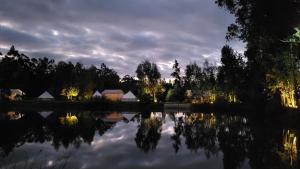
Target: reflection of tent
x=46 y=96
x=129 y=97
x=45 y=114
x=113 y=117
x=97 y=95
x=129 y=115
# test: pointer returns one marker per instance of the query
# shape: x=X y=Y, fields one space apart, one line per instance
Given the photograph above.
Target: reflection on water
x=142 y=140
x=69 y=120
x=290 y=145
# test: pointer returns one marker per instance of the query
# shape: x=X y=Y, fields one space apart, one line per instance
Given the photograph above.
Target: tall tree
x=176 y=73
x=149 y=76
x=230 y=75
x=262 y=25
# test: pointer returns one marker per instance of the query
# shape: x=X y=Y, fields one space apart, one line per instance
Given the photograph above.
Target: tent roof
x=46 y=95
x=129 y=95
x=97 y=94
x=116 y=91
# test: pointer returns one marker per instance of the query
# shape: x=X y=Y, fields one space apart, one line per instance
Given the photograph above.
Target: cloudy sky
x=119 y=33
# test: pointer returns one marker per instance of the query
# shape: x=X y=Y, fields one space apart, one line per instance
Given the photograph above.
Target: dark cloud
x=118 y=33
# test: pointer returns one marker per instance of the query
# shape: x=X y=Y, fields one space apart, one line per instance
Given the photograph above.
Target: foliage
x=70 y=92
x=149 y=77
x=35 y=75
x=264 y=26
x=231 y=73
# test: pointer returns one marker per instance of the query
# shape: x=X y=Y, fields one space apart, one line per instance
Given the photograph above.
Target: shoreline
x=38 y=105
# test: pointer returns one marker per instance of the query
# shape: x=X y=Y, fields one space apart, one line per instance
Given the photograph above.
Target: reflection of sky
x=117 y=149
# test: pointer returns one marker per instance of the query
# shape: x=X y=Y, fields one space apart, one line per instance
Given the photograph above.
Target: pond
x=128 y=140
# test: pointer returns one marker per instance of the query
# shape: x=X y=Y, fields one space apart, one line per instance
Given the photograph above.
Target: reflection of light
x=14 y=115
x=69 y=120
x=208 y=119
x=154 y=115
x=179 y=115
x=50 y=163
x=290 y=145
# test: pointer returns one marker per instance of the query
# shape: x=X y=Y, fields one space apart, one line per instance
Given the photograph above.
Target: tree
x=261 y=26
x=230 y=75
x=177 y=92
x=149 y=76
x=176 y=73
x=128 y=83
x=70 y=92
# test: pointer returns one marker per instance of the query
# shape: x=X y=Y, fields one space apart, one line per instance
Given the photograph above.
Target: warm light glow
x=287 y=94
x=290 y=145
x=207 y=97
x=70 y=92
x=232 y=98
x=209 y=120
x=69 y=120
x=14 y=115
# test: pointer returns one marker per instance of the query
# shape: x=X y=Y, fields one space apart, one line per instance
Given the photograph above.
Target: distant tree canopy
x=35 y=75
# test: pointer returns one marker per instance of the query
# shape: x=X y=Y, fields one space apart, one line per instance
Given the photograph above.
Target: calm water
x=143 y=140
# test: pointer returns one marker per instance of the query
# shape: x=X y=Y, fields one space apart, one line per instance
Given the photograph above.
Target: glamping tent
x=113 y=95
x=46 y=96
x=129 y=97
x=96 y=95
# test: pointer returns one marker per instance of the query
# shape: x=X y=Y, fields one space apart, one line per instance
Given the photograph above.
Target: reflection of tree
x=290 y=145
x=81 y=131
x=102 y=126
x=15 y=133
x=178 y=128
x=200 y=132
x=269 y=148
x=234 y=137
x=148 y=134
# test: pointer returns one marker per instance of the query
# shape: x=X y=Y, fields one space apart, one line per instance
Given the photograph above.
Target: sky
x=119 y=33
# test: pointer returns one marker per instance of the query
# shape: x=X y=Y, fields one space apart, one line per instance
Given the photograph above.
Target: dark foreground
x=101 y=139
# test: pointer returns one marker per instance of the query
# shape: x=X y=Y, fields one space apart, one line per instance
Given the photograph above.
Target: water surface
x=143 y=140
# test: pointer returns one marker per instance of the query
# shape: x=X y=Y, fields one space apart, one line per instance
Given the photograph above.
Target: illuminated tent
x=97 y=95
x=129 y=97
x=113 y=95
x=46 y=96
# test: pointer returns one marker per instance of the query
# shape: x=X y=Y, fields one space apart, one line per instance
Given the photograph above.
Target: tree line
x=205 y=83
x=36 y=75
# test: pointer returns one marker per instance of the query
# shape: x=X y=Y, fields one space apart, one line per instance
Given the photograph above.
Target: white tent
x=46 y=95
x=129 y=97
x=96 y=94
